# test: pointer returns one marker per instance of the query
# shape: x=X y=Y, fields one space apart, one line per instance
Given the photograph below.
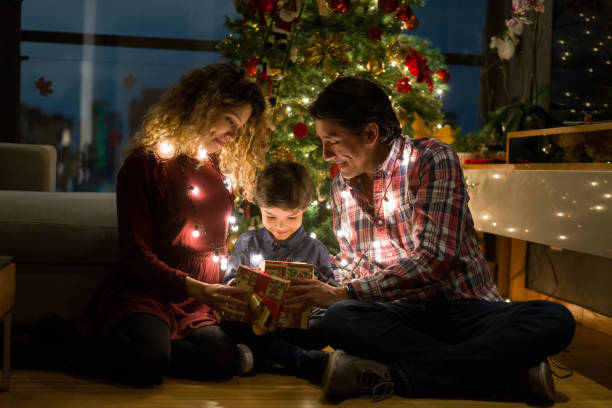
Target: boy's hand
x=313 y=293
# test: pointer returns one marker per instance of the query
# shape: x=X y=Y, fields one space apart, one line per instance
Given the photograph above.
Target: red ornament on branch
x=300 y=130
x=403 y=85
x=262 y=7
x=408 y=18
x=388 y=6
x=375 y=33
x=333 y=170
x=44 y=87
x=417 y=65
x=250 y=65
x=339 y=6
x=443 y=75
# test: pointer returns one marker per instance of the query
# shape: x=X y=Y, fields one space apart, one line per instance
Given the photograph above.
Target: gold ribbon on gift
x=261 y=325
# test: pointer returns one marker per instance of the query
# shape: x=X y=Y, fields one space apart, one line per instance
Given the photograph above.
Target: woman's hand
x=313 y=293
x=228 y=301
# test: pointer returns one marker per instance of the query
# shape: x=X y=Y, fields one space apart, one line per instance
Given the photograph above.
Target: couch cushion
x=63 y=228
x=37 y=175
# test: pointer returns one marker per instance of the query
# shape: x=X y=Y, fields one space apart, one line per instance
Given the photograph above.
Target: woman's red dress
x=157 y=248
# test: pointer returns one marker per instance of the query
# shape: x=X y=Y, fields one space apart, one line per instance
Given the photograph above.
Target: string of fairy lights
x=572 y=51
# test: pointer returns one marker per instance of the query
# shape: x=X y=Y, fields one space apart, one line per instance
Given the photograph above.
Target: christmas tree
x=294 y=48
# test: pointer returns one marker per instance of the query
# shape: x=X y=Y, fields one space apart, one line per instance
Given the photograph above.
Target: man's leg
x=485 y=341
x=447 y=348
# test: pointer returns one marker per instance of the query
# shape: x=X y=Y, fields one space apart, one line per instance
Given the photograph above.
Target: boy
x=283 y=191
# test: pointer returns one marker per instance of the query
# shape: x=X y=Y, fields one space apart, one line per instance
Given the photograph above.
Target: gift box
x=265 y=297
x=294 y=316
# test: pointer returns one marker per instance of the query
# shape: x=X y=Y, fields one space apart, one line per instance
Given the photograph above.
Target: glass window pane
x=99 y=95
x=194 y=19
x=453 y=26
x=460 y=103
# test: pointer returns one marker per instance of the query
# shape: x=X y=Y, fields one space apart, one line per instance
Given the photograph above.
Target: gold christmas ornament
x=293 y=54
x=282 y=153
x=323 y=10
x=280 y=115
x=231 y=242
x=395 y=52
x=324 y=49
x=376 y=65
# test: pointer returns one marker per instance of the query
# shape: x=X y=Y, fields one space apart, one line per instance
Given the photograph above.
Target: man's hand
x=313 y=293
x=228 y=301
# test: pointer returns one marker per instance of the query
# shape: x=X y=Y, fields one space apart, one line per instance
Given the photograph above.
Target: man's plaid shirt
x=417 y=240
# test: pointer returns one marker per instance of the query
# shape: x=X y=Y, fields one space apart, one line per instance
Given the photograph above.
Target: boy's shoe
x=347 y=375
x=540 y=382
x=312 y=365
x=246 y=360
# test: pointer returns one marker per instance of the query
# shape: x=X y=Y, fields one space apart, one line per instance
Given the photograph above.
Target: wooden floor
x=590 y=352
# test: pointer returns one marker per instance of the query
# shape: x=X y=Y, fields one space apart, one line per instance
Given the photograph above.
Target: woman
x=157 y=314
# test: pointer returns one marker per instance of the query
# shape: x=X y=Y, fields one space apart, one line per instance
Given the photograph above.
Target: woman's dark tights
x=138 y=351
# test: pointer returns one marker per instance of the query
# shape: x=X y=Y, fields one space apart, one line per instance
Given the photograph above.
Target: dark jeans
x=138 y=350
x=283 y=346
x=463 y=347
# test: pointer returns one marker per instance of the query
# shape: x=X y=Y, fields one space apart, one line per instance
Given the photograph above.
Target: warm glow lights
x=165 y=150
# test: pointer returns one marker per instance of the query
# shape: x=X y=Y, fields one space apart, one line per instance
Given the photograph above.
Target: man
x=419 y=313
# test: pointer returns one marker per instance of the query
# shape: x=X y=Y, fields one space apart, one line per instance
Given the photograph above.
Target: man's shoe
x=347 y=375
x=540 y=382
x=246 y=360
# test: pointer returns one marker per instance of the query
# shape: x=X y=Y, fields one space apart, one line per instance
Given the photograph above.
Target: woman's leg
x=136 y=352
x=208 y=353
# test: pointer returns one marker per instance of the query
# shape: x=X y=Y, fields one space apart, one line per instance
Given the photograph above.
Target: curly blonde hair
x=186 y=110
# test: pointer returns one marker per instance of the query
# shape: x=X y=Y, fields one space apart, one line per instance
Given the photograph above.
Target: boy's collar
x=297 y=236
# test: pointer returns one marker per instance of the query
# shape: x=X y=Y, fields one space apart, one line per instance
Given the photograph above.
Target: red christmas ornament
x=408 y=18
x=375 y=33
x=388 y=6
x=412 y=23
x=44 y=87
x=333 y=170
x=403 y=85
x=262 y=7
x=339 y=6
x=443 y=74
x=300 y=130
x=250 y=65
x=417 y=65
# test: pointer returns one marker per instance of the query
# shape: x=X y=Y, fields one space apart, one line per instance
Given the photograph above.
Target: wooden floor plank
x=55 y=390
x=590 y=354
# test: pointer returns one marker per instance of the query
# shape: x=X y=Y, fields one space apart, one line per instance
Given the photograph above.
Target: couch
x=63 y=244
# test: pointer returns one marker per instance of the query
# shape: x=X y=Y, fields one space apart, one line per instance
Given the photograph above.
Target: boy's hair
x=284 y=184
x=355 y=102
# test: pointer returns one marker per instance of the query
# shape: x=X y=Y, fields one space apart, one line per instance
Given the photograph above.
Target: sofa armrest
x=27 y=167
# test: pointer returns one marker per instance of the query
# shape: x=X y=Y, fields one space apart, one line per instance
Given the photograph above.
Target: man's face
x=352 y=153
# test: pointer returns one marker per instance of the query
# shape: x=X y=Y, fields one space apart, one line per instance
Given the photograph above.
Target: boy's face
x=281 y=223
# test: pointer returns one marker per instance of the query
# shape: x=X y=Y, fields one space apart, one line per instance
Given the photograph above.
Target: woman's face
x=225 y=128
